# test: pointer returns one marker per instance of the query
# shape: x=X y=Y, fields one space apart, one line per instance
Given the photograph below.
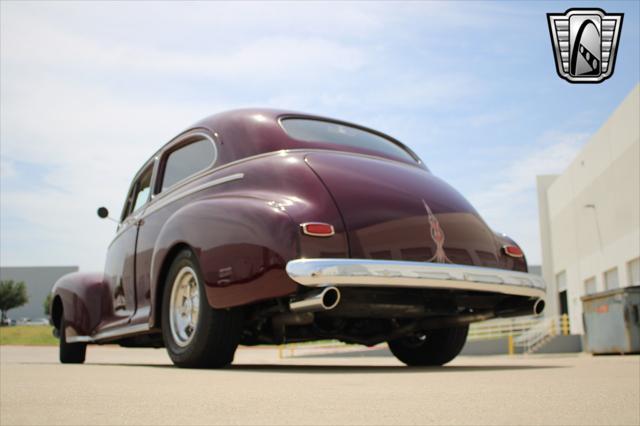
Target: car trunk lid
x=400 y=212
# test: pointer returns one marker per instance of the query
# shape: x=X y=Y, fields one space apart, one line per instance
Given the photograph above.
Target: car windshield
x=342 y=134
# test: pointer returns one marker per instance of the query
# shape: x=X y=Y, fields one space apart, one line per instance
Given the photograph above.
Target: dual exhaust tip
x=327 y=298
x=323 y=299
x=538 y=306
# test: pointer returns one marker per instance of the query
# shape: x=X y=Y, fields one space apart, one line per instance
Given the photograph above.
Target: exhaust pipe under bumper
x=320 y=300
x=538 y=307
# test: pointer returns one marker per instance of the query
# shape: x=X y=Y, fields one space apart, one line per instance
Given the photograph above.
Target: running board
x=110 y=334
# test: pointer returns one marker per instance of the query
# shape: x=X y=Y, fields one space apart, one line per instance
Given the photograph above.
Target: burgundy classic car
x=263 y=227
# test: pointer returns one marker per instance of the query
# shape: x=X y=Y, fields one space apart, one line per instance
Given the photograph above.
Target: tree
x=47 y=304
x=12 y=295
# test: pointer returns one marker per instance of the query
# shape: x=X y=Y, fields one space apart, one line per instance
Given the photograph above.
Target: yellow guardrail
x=541 y=333
x=502 y=327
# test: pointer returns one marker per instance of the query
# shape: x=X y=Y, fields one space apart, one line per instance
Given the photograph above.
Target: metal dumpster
x=612 y=321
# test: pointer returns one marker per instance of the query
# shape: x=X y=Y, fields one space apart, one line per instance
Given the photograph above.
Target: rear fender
x=242 y=245
x=508 y=262
x=85 y=299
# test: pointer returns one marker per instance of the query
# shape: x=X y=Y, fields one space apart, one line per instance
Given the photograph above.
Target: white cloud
x=88 y=142
x=493 y=118
x=510 y=204
x=7 y=169
x=264 y=58
x=552 y=153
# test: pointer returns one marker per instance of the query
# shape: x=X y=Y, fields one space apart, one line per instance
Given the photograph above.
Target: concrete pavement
x=139 y=386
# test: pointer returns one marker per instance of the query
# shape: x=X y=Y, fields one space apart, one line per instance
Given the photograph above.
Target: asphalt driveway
x=140 y=386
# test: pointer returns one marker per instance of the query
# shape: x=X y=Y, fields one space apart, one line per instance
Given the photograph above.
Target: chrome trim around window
x=388 y=273
x=186 y=140
x=378 y=133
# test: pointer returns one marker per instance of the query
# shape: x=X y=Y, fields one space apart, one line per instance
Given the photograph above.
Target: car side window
x=188 y=160
x=140 y=193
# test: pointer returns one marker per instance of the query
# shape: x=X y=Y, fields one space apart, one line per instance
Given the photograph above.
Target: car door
x=183 y=161
x=121 y=256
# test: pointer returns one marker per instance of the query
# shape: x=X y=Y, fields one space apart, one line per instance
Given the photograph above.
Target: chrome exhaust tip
x=538 y=307
x=320 y=300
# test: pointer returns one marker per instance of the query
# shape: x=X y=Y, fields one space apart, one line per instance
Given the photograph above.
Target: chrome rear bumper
x=388 y=273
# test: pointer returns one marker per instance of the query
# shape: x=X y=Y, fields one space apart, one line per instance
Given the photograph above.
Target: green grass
x=30 y=335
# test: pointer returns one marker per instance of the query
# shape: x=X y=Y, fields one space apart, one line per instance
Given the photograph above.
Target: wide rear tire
x=70 y=353
x=195 y=334
x=437 y=348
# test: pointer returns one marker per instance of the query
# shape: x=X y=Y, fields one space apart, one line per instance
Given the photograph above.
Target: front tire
x=196 y=335
x=70 y=353
x=436 y=347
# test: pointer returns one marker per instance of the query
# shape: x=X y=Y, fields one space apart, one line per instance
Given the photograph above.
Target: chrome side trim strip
x=170 y=199
x=388 y=273
x=108 y=334
x=79 y=339
x=161 y=199
x=290 y=151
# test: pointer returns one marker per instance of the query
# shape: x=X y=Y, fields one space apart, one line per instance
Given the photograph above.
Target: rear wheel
x=435 y=347
x=70 y=353
x=196 y=335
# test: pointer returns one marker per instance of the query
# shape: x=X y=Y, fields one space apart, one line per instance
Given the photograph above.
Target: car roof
x=246 y=132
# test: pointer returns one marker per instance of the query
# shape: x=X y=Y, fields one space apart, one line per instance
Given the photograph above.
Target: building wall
x=590 y=214
x=39 y=280
x=535 y=269
x=543 y=184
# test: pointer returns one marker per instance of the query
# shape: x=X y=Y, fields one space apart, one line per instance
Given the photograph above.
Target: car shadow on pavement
x=340 y=369
x=333 y=369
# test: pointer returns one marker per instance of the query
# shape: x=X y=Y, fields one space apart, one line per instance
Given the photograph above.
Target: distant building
x=39 y=280
x=590 y=216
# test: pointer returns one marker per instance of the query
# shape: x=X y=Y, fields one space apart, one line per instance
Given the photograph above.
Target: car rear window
x=341 y=134
x=187 y=161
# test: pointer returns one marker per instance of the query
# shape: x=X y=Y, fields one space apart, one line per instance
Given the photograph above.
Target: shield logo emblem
x=585 y=43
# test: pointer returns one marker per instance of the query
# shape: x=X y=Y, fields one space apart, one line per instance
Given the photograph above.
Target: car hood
x=401 y=212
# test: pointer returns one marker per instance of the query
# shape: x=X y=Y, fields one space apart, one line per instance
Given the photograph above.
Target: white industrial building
x=590 y=216
x=38 y=280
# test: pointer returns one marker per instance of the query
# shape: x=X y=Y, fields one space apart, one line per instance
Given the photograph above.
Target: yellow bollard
x=280 y=352
x=565 y=324
x=511 y=345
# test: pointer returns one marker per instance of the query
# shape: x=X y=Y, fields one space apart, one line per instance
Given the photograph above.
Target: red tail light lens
x=317 y=229
x=513 y=251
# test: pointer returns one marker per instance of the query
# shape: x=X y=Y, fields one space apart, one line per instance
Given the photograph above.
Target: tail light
x=317 y=229
x=513 y=251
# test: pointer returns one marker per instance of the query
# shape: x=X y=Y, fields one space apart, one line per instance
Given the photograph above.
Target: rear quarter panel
x=243 y=232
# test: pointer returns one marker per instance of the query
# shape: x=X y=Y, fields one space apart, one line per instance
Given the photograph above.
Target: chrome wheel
x=184 y=306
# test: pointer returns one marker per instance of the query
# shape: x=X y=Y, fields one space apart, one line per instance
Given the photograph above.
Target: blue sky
x=89 y=90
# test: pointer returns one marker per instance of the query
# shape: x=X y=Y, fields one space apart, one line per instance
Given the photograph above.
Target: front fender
x=85 y=298
x=242 y=245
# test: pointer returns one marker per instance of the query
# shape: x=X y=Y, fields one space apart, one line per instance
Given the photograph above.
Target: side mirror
x=103 y=212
